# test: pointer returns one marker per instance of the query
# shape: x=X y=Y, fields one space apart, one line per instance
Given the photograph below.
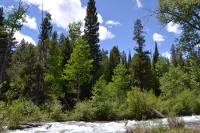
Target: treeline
x=70 y=78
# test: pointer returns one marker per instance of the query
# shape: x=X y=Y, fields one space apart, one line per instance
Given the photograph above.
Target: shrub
x=21 y=110
x=137 y=105
x=184 y=103
x=84 y=111
x=2 y=116
x=56 y=111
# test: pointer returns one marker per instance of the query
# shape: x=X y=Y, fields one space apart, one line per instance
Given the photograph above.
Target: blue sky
x=116 y=19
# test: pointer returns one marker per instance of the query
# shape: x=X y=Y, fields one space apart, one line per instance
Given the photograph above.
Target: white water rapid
x=98 y=127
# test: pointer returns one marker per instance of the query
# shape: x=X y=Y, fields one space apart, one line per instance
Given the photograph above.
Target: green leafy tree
x=179 y=91
x=109 y=97
x=121 y=81
x=77 y=71
x=162 y=66
x=54 y=73
x=91 y=35
x=176 y=81
x=185 y=13
x=74 y=30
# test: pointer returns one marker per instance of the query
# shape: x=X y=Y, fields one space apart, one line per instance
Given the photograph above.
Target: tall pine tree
x=140 y=65
x=155 y=81
x=13 y=23
x=155 y=56
x=173 y=55
x=91 y=35
x=41 y=66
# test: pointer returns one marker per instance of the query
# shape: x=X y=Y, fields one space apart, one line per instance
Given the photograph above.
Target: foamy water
x=96 y=127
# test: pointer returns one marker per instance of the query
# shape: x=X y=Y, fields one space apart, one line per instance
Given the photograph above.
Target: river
x=102 y=127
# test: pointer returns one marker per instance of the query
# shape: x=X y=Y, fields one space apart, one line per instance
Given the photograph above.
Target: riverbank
x=191 y=125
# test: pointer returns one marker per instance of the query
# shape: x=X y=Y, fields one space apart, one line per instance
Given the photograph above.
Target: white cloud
x=66 y=11
x=31 y=22
x=100 y=19
x=139 y=5
x=158 y=37
x=166 y=54
x=172 y=27
x=63 y=11
x=19 y=36
x=104 y=33
x=111 y=22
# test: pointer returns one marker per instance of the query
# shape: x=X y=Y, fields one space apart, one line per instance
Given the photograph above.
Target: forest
x=70 y=78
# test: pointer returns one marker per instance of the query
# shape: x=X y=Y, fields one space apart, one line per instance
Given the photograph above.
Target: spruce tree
x=66 y=48
x=155 y=56
x=91 y=35
x=140 y=65
x=21 y=71
x=13 y=23
x=42 y=64
x=155 y=81
x=173 y=55
x=114 y=60
x=3 y=36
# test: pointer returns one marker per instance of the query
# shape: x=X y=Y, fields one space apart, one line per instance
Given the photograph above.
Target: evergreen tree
x=13 y=23
x=105 y=65
x=173 y=55
x=180 y=59
x=91 y=35
x=66 y=48
x=42 y=64
x=140 y=65
x=45 y=33
x=123 y=59
x=155 y=81
x=155 y=56
x=3 y=36
x=114 y=60
x=21 y=72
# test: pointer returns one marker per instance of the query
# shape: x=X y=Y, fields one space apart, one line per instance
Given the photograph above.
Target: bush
x=56 y=111
x=52 y=110
x=185 y=103
x=21 y=111
x=2 y=116
x=137 y=105
x=84 y=111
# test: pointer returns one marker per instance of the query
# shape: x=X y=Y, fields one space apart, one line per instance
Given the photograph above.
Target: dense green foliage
x=69 y=78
